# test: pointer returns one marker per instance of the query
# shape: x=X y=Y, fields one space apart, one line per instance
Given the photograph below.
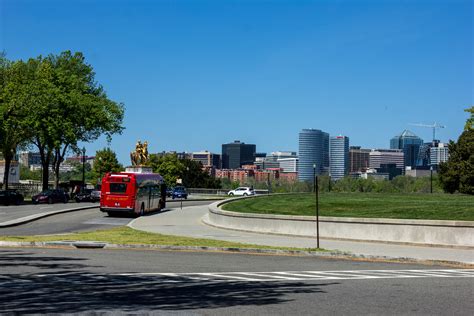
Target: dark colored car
x=51 y=196
x=84 y=196
x=10 y=197
x=95 y=196
x=169 y=192
x=180 y=193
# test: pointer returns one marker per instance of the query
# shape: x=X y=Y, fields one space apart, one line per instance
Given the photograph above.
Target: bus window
x=118 y=187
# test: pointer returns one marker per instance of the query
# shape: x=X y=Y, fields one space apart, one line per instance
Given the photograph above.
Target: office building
x=288 y=164
x=272 y=161
x=410 y=144
x=339 y=157
x=180 y=155
x=313 y=150
x=438 y=154
x=377 y=157
x=274 y=156
x=28 y=158
x=358 y=159
x=236 y=154
x=207 y=159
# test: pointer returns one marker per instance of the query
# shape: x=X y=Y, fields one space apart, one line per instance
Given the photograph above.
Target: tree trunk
x=6 y=174
x=45 y=175
x=56 y=164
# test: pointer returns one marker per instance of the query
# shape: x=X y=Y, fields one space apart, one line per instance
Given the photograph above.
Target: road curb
x=251 y=251
x=31 y=218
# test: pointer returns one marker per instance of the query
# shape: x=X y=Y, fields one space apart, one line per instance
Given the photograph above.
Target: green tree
x=470 y=121
x=190 y=172
x=65 y=106
x=168 y=166
x=105 y=161
x=195 y=177
x=457 y=174
x=12 y=111
x=27 y=174
x=86 y=111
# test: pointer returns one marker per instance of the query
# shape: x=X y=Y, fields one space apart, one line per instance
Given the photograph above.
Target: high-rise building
x=439 y=154
x=313 y=149
x=410 y=144
x=207 y=159
x=339 y=157
x=358 y=159
x=378 y=157
x=236 y=154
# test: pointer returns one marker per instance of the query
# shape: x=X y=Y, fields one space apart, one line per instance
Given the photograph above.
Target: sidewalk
x=189 y=222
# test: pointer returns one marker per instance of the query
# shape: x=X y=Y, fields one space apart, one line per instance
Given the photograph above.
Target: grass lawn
x=370 y=205
x=126 y=235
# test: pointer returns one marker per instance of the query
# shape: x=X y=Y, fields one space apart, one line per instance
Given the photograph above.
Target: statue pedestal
x=139 y=169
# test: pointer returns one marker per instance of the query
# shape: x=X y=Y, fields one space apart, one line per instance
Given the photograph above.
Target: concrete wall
x=447 y=233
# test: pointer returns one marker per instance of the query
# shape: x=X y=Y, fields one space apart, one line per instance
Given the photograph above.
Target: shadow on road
x=70 y=288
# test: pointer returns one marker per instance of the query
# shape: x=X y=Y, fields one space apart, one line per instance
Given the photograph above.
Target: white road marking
x=216 y=277
x=313 y=275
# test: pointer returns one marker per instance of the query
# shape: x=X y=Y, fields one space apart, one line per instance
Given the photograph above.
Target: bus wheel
x=142 y=210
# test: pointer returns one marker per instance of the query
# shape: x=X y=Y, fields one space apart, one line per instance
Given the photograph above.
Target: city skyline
x=195 y=75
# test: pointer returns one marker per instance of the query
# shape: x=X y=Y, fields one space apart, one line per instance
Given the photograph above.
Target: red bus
x=135 y=193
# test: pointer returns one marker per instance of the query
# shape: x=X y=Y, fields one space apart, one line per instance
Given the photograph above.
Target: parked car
x=51 y=196
x=95 y=196
x=84 y=196
x=241 y=191
x=10 y=197
x=169 y=192
x=179 y=193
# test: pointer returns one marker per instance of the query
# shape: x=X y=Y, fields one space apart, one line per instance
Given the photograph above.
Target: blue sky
x=196 y=74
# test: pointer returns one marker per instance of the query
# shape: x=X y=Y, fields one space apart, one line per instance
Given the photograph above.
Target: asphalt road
x=134 y=281
x=84 y=220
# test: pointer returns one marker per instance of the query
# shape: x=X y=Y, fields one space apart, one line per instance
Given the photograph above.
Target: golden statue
x=139 y=157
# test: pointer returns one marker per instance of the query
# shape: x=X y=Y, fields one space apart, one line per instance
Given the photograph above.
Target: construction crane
x=434 y=126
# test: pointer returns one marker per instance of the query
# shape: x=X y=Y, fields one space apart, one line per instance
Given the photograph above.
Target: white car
x=242 y=191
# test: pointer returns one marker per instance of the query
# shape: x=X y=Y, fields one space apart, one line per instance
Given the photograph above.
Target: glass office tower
x=313 y=149
x=410 y=144
x=339 y=157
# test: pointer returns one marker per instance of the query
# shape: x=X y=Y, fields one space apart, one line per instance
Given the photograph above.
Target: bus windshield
x=118 y=187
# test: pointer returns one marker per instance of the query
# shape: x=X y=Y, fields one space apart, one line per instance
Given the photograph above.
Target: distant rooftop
x=407 y=133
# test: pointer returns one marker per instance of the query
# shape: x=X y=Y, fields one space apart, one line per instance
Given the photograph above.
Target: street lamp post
x=431 y=179
x=314 y=177
x=316 y=189
x=83 y=168
x=268 y=183
x=329 y=183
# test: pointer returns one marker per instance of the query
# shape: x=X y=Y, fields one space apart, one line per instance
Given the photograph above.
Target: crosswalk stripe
x=255 y=276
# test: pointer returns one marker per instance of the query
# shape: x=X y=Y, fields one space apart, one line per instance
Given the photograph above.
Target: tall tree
x=457 y=174
x=87 y=112
x=105 y=161
x=68 y=107
x=168 y=166
x=12 y=111
x=470 y=121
